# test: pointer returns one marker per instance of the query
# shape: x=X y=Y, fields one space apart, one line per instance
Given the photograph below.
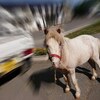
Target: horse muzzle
x=56 y=64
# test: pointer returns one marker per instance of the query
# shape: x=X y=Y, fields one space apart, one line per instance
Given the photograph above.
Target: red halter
x=55 y=55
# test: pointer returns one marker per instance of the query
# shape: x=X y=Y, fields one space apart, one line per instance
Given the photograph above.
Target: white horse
x=67 y=53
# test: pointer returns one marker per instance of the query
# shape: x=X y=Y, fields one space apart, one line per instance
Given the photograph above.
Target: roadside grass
x=91 y=29
x=40 y=51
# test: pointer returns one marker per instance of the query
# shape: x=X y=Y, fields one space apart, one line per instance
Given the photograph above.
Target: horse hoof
x=67 y=89
x=77 y=95
x=93 y=78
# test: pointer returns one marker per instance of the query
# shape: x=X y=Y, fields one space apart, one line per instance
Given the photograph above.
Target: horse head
x=54 y=41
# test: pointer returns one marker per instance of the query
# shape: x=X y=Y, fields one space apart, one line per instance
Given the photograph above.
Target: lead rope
x=55 y=76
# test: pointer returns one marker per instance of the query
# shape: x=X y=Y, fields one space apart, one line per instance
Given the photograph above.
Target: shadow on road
x=45 y=75
x=98 y=79
x=84 y=71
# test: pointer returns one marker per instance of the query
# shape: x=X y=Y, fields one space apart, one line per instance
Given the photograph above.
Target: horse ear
x=45 y=31
x=59 y=30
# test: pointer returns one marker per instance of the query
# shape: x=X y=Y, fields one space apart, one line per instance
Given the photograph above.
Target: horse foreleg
x=74 y=80
x=67 y=89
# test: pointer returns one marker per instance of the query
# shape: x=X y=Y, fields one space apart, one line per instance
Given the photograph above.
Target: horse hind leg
x=97 y=60
x=93 y=64
x=95 y=57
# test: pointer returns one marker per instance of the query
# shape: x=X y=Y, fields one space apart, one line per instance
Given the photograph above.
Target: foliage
x=40 y=51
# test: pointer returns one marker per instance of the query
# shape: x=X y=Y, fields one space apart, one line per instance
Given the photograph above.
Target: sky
x=71 y=3
x=28 y=1
x=74 y=2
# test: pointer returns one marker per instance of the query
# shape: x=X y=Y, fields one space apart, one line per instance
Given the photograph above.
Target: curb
x=40 y=58
x=75 y=29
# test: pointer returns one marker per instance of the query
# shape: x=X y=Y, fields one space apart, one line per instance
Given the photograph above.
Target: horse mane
x=52 y=33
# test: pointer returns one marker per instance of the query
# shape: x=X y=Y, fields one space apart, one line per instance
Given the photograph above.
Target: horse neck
x=64 y=54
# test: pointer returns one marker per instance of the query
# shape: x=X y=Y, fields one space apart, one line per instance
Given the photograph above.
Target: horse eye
x=45 y=31
x=48 y=48
x=47 y=45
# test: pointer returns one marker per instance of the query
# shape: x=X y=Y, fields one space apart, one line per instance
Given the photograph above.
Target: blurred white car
x=16 y=48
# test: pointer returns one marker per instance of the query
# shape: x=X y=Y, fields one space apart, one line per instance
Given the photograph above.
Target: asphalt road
x=38 y=84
